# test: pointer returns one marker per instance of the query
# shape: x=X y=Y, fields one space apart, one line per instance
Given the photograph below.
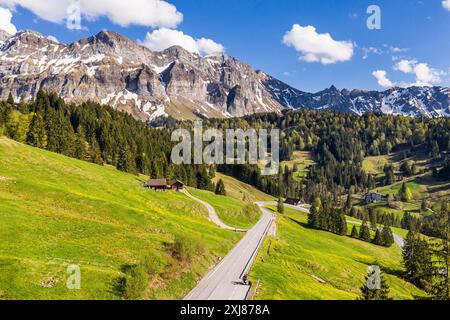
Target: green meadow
x=233 y=212
x=307 y=264
x=56 y=211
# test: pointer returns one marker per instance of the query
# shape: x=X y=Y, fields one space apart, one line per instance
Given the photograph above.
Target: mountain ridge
x=110 y=68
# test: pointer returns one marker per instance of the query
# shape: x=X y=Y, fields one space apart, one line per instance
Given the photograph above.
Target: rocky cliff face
x=111 y=69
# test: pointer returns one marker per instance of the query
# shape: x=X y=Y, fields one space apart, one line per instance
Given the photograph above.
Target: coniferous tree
x=314 y=212
x=405 y=193
x=375 y=287
x=354 y=234
x=441 y=250
x=364 y=232
x=37 y=135
x=220 y=188
x=417 y=259
x=387 y=236
x=280 y=206
x=377 y=240
x=10 y=99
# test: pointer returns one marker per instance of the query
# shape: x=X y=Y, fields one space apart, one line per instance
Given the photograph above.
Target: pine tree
x=37 y=135
x=280 y=206
x=10 y=99
x=375 y=287
x=405 y=193
x=441 y=250
x=314 y=212
x=387 y=237
x=417 y=260
x=220 y=188
x=354 y=233
x=364 y=232
x=377 y=240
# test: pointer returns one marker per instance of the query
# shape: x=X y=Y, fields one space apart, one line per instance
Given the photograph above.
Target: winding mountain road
x=225 y=282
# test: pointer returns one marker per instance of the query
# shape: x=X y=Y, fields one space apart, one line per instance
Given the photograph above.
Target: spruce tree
x=387 y=237
x=377 y=240
x=375 y=287
x=405 y=193
x=354 y=233
x=37 y=135
x=220 y=188
x=417 y=259
x=280 y=206
x=364 y=232
x=441 y=250
x=10 y=99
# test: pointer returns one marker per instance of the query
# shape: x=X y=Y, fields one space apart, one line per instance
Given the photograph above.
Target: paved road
x=224 y=282
x=213 y=214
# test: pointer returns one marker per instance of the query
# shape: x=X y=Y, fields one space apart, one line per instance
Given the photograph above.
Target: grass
x=229 y=210
x=295 y=264
x=56 y=211
x=242 y=191
x=375 y=165
x=303 y=160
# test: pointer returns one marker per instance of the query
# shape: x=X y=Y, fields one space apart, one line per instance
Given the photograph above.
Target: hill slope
x=56 y=211
x=293 y=265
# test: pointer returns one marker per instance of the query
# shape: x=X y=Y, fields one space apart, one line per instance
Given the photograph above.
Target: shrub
x=184 y=248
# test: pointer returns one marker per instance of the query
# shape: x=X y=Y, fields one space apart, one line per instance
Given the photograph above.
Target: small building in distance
x=374 y=197
x=293 y=202
x=177 y=185
x=157 y=184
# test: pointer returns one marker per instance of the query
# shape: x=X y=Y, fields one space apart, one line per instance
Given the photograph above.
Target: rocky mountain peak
x=112 y=69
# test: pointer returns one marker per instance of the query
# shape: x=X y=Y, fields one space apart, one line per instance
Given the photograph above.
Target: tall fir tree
x=37 y=135
x=354 y=234
x=441 y=251
x=220 y=188
x=375 y=287
x=364 y=232
x=417 y=260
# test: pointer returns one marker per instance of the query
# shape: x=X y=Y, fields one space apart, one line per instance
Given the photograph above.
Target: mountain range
x=111 y=69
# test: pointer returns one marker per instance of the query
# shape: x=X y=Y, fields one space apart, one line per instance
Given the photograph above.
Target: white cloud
x=208 y=46
x=368 y=51
x=151 y=13
x=5 y=21
x=446 y=4
x=405 y=66
x=316 y=47
x=425 y=75
x=382 y=78
x=53 y=38
x=164 y=38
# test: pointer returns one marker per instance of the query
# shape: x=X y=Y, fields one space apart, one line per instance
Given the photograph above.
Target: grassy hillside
x=230 y=210
x=302 y=160
x=242 y=191
x=308 y=264
x=56 y=211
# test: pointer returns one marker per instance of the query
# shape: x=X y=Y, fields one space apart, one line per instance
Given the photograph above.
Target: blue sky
x=412 y=46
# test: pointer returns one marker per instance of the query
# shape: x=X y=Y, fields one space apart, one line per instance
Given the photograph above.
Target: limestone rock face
x=111 y=69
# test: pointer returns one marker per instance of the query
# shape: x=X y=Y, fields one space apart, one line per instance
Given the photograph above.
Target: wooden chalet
x=176 y=185
x=374 y=198
x=157 y=184
x=293 y=202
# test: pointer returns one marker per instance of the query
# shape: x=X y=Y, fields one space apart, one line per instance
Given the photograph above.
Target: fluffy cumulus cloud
x=446 y=4
x=5 y=21
x=317 y=47
x=152 y=13
x=382 y=78
x=53 y=38
x=425 y=75
x=164 y=38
